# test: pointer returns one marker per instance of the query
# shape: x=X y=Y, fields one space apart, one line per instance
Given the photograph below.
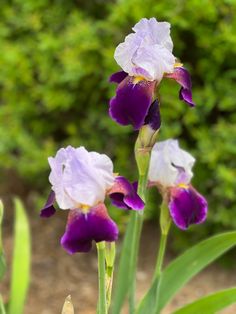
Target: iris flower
x=171 y=171
x=80 y=181
x=145 y=58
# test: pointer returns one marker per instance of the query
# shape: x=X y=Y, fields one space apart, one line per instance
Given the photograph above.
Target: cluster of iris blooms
x=82 y=180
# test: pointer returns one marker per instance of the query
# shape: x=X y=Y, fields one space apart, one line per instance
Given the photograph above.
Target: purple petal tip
x=48 y=210
x=182 y=76
x=124 y=195
x=118 y=77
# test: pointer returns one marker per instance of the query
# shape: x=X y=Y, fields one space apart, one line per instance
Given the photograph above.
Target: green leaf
x=212 y=303
x=122 y=278
x=21 y=261
x=2 y=257
x=149 y=301
x=184 y=267
x=2 y=308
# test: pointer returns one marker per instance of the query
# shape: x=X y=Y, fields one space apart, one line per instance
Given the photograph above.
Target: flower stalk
x=110 y=253
x=165 y=223
x=102 y=300
x=142 y=155
x=137 y=220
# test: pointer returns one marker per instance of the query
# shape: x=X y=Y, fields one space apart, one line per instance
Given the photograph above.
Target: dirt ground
x=55 y=274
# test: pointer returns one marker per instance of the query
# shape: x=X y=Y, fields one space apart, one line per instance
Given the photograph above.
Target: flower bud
x=68 y=306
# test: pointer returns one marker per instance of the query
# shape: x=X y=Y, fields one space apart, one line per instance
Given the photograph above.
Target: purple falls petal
x=182 y=76
x=48 y=210
x=82 y=229
x=124 y=195
x=187 y=207
x=118 y=77
x=132 y=102
x=153 y=118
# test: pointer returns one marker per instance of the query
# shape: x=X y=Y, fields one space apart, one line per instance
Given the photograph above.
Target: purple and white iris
x=80 y=181
x=145 y=58
x=171 y=171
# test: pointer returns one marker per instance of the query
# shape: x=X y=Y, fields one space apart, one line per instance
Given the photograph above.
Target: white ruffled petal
x=156 y=32
x=156 y=60
x=104 y=166
x=169 y=164
x=148 y=50
x=125 y=51
x=79 y=177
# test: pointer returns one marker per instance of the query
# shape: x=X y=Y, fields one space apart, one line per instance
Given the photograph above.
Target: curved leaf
x=212 y=303
x=185 y=267
x=123 y=275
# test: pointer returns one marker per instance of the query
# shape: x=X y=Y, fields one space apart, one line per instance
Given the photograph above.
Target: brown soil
x=56 y=274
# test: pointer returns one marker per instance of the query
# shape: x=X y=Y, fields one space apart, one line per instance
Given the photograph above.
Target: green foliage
x=55 y=61
x=20 y=275
x=213 y=303
x=183 y=268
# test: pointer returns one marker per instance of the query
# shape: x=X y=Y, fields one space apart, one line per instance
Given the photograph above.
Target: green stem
x=161 y=254
x=102 y=303
x=109 y=280
x=110 y=253
x=165 y=223
x=137 y=221
x=158 y=269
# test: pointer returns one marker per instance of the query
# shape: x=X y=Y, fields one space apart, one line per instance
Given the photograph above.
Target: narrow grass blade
x=20 y=276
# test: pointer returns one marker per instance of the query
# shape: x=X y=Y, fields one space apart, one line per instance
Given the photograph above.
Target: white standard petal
x=156 y=60
x=147 y=51
x=79 y=177
x=125 y=51
x=155 y=32
x=104 y=166
x=56 y=177
x=169 y=164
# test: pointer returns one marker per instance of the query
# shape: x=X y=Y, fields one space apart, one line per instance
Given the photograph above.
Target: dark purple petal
x=187 y=207
x=82 y=229
x=118 y=77
x=132 y=102
x=124 y=195
x=48 y=210
x=153 y=118
x=182 y=76
x=117 y=200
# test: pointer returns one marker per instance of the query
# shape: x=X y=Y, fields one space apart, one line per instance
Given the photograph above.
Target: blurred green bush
x=55 y=60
